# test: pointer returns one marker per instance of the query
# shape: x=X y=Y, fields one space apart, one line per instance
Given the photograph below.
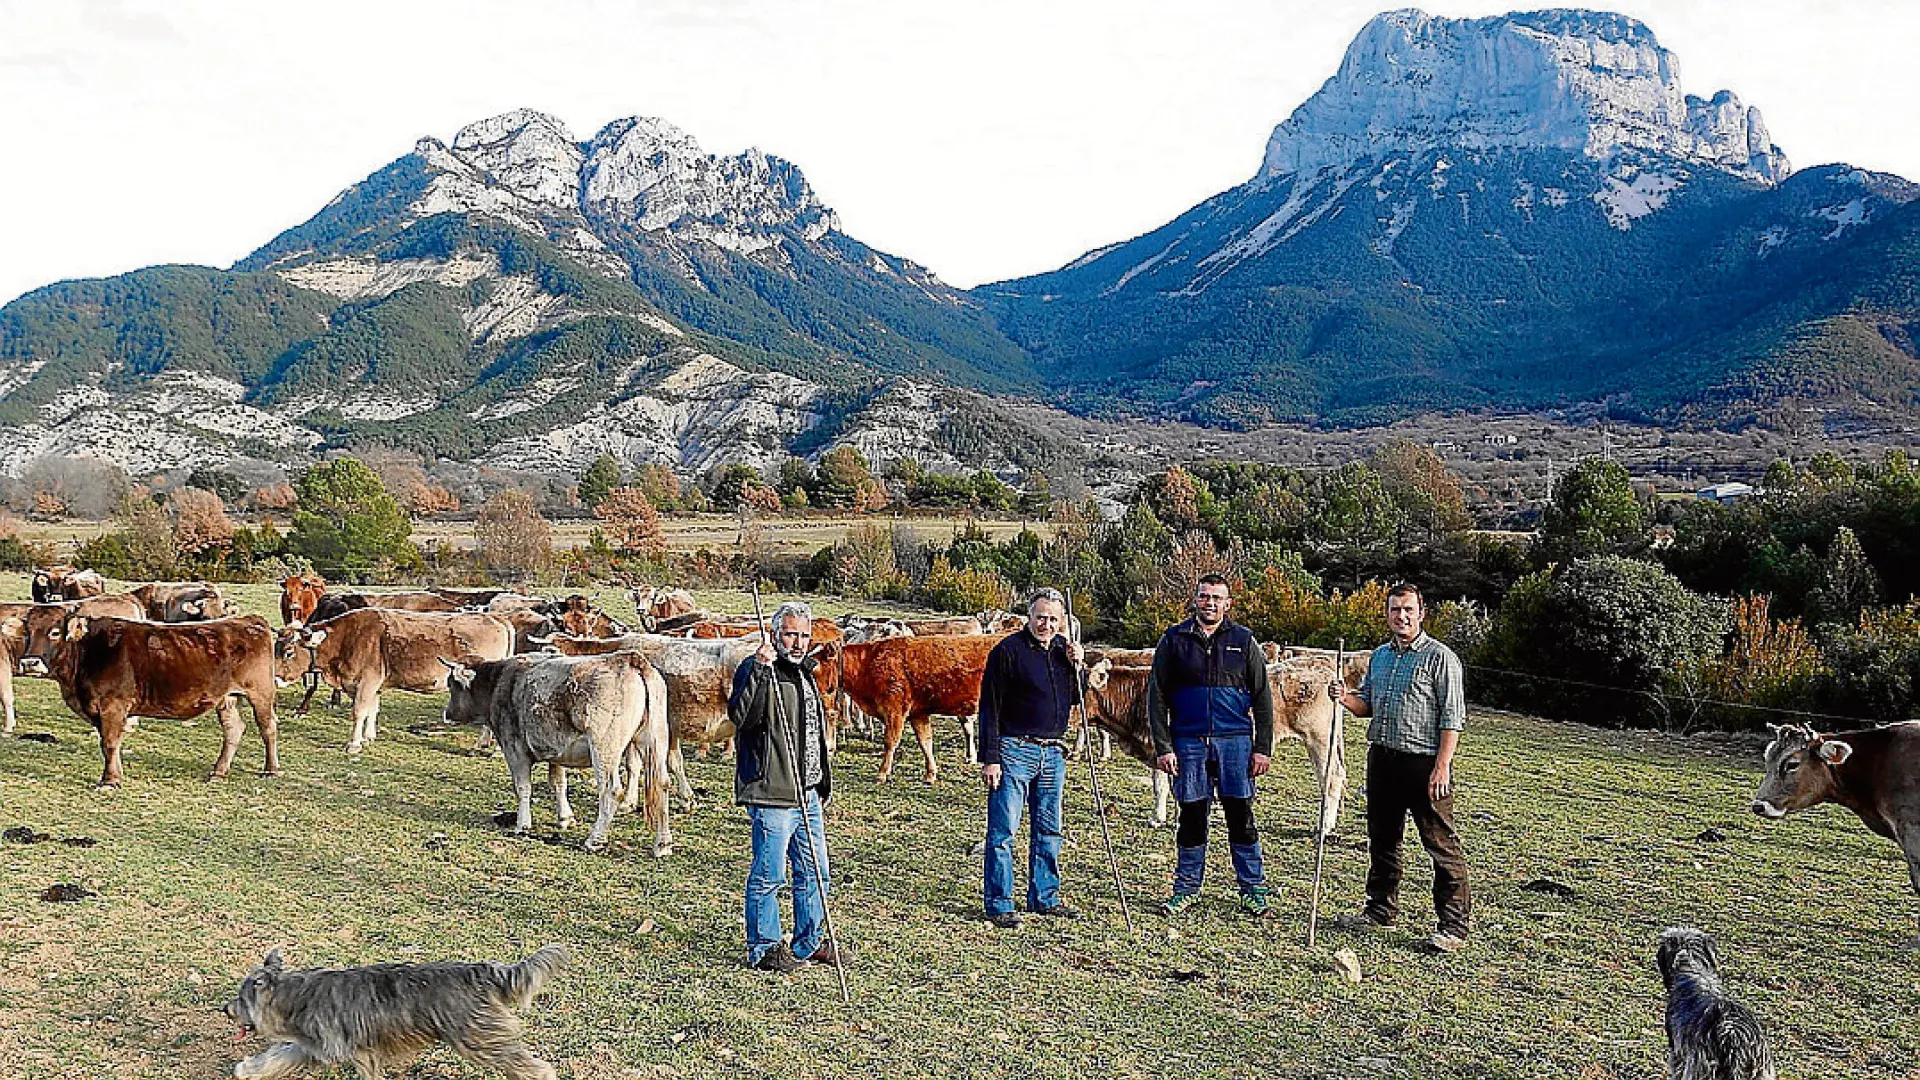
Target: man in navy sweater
x=1027 y=692
x=1212 y=717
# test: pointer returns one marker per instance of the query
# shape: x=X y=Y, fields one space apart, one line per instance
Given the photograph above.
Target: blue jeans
x=779 y=843
x=1033 y=778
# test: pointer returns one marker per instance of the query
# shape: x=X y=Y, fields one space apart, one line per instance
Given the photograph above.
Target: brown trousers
x=1396 y=787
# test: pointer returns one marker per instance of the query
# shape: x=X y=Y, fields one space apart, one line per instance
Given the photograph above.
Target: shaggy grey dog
x=383 y=1014
x=1710 y=1036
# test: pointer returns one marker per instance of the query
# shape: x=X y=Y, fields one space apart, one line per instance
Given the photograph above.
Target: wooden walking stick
x=814 y=847
x=1093 y=777
x=1336 y=753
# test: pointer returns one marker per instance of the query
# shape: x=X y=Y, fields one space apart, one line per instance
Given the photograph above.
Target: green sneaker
x=1253 y=902
x=1177 y=903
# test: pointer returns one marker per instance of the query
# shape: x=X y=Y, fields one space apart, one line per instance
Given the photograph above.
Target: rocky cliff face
x=1590 y=83
x=1513 y=212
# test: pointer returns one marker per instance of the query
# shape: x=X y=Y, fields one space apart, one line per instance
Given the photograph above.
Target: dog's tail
x=520 y=982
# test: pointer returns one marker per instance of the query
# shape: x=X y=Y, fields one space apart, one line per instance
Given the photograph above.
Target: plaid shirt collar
x=1420 y=643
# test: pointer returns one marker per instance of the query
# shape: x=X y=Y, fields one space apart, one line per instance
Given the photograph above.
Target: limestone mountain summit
x=1522 y=211
x=1586 y=82
x=527 y=299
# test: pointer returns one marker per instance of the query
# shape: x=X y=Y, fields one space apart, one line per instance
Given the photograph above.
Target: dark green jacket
x=766 y=772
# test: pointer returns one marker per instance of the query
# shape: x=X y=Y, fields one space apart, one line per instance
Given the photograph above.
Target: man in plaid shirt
x=1416 y=696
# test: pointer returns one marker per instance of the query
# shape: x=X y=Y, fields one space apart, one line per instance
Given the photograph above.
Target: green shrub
x=964 y=591
x=1600 y=640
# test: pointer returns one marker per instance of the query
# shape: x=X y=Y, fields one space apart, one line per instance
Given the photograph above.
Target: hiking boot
x=1253 y=902
x=1363 y=921
x=830 y=956
x=1057 y=911
x=780 y=959
x=1006 y=920
x=1444 y=942
x=1177 y=903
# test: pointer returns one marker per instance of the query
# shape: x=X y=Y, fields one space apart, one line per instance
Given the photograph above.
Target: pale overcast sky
x=986 y=139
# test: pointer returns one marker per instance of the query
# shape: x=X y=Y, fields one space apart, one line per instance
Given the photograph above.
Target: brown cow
x=1874 y=773
x=180 y=601
x=911 y=680
x=945 y=626
x=825 y=631
x=578 y=615
x=363 y=652
x=655 y=605
x=1117 y=702
x=299 y=595
x=109 y=669
x=54 y=584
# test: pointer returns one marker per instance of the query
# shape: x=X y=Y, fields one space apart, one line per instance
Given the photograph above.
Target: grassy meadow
x=392 y=856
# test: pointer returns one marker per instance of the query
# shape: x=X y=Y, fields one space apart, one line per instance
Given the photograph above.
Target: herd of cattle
x=561 y=682
x=553 y=681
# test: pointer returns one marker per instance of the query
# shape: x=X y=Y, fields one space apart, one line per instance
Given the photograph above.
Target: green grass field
x=392 y=856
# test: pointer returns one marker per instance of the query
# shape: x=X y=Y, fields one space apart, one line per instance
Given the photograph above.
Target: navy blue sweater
x=1025 y=690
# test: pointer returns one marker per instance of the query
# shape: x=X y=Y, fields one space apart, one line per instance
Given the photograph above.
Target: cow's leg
x=895 y=725
x=1162 y=792
x=967 y=736
x=557 y=779
x=6 y=692
x=231 y=728
x=366 y=705
x=923 y=731
x=630 y=797
x=1330 y=772
x=520 y=768
x=261 y=702
x=112 y=728
x=606 y=754
x=677 y=764
x=1106 y=747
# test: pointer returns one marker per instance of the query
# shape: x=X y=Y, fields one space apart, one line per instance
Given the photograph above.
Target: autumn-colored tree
x=273 y=497
x=512 y=539
x=660 y=485
x=48 y=507
x=200 y=523
x=632 y=522
x=422 y=497
x=1428 y=494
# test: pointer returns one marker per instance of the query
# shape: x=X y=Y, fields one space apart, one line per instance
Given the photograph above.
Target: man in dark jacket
x=1212 y=718
x=781 y=771
x=1027 y=692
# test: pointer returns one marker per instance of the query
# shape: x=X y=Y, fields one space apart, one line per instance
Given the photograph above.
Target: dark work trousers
x=1396 y=787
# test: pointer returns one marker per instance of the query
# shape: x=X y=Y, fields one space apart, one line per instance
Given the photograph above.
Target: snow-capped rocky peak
x=1587 y=82
x=647 y=172
x=529 y=153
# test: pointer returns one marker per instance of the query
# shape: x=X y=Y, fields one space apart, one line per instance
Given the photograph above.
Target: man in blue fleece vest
x=1212 y=718
x=1027 y=692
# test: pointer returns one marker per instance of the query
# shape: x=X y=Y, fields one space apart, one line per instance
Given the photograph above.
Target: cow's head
x=293 y=652
x=1800 y=764
x=458 y=674
x=1098 y=674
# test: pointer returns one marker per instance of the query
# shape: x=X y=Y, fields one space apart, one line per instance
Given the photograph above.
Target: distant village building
x=1732 y=491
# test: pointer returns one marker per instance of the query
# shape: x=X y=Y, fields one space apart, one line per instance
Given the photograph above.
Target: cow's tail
x=518 y=983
